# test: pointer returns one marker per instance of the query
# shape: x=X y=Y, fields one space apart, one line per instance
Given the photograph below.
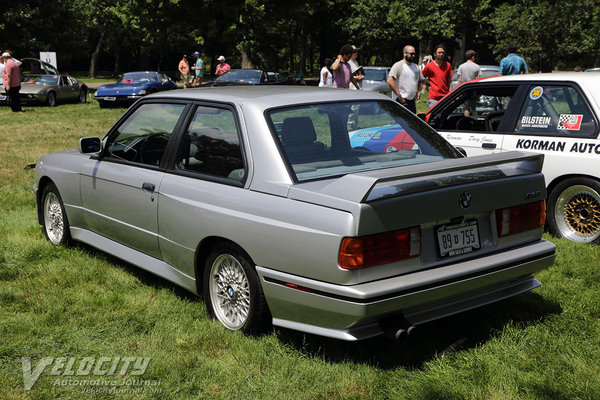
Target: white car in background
x=556 y=114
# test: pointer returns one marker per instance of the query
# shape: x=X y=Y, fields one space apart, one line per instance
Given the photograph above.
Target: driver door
x=476 y=117
x=119 y=190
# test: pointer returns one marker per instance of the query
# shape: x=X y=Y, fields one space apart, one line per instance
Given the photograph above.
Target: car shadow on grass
x=459 y=332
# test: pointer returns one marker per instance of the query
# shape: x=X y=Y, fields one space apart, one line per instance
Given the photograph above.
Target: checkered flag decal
x=570 y=121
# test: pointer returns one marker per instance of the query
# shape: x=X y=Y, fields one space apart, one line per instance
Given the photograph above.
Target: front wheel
x=83 y=96
x=574 y=210
x=51 y=99
x=232 y=291
x=56 y=225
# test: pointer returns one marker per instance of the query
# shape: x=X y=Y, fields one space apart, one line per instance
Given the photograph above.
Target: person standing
x=184 y=70
x=198 y=69
x=468 y=70
x=1 y=65
x=405 y=80
x=325 y=77
x=354 y=68
x=342 y=72
x=439 y=73
x=512 y=64
x=222 y=67
x=11 y=80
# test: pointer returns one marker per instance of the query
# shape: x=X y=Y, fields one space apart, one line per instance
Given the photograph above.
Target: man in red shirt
x=11 y=80
x=439 y=73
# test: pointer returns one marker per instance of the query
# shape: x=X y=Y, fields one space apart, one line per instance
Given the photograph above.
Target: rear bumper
x=353 y=312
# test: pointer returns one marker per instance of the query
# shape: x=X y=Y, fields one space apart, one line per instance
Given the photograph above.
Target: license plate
x=110 y=98
x=2 y=97
x=458 y=239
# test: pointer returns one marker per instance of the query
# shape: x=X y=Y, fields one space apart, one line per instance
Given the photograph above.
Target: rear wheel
x=51 y=99
x=232 y=290
x=83 y=96
x=574 y=210
x=56 y=225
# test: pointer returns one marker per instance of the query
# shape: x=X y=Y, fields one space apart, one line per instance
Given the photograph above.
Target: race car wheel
x=83 y=96
x=574 y=210
x=51 y=99
x=56 y=225
x=232 y=290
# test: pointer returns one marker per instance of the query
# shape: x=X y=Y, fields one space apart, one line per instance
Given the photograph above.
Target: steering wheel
x=466 y=124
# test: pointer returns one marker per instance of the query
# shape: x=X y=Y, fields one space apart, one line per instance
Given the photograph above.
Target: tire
x=51 y=99
x=82 y=96
x=574 y=210
x=103 y=104
x=232 y=291
x=55 y=223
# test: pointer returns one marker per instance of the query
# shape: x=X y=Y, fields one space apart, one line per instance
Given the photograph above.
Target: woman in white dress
x=325 y=76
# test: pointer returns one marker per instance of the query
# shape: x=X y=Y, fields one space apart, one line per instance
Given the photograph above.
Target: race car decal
x=384 y=139
x=535 y=122
x=556 y=145
x=536 y=93
x=571 y=122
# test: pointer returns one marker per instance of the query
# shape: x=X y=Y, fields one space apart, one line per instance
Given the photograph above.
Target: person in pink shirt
x=11 y=80
x=342 y=72
x=222 y=67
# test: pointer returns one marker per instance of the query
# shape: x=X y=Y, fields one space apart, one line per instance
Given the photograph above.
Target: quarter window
x=143 y=137
x=211 y=145
x=555 y=111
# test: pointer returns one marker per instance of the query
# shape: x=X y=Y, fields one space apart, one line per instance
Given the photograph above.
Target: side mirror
x=89 y=145
x=422 y=116
x=462 y=151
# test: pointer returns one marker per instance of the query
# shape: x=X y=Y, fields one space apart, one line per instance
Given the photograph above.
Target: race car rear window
x=555 y=110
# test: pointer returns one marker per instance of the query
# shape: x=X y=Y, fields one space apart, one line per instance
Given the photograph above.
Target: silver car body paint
x=292 y=231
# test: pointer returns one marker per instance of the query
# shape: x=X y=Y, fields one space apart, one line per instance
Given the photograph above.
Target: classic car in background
x=256 y=198
x=248 y=77
x=42 y=84
x=132 y=86
x=376 y=79
x=555 y=114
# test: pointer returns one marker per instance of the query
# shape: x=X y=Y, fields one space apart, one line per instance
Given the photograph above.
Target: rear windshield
x=333 y=139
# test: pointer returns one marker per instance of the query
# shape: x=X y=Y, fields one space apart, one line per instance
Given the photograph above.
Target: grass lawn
x=79 y=303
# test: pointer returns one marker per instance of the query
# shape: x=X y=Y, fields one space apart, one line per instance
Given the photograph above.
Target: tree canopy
x=120 y=35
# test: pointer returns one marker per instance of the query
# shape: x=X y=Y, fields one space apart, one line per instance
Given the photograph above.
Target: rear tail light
x=520 y=218
x=382 y=248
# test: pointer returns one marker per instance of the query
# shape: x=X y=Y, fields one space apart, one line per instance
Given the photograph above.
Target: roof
x=270 y=96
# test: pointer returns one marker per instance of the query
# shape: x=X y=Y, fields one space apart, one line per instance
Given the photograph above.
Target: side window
x=479 y=109
x=211 y=145
x=143 y=137
x=555 y=110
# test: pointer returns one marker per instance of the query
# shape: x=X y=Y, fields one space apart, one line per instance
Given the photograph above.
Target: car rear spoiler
x=363 y=187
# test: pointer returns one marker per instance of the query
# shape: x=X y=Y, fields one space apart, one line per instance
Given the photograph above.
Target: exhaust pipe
x=396 y=327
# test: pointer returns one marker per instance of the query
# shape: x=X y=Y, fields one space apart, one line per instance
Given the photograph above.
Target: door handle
x=148 y=187
x=489 y=145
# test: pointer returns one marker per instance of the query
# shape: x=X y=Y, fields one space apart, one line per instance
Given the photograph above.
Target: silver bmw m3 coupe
x=257 y=199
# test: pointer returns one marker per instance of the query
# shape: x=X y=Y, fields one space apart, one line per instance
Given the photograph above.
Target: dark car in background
x=248 y=77
x=131 y=86
x=42 y=84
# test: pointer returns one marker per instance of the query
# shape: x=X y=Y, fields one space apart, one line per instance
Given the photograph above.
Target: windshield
x=241 y=75
x=139 y=76
x=39 y=79
x=334 y=139
x=373 y=74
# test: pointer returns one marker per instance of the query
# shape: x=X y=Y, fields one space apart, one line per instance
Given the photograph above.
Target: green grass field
x=78 y=303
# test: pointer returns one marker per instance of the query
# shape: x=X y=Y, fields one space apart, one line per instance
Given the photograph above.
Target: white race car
x=555 y=114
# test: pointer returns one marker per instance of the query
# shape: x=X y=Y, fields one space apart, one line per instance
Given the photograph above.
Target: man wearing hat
x=198 y=68
x=11 y=80
x=222 y=67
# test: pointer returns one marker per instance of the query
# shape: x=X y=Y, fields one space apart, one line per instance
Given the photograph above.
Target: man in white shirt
x=468 y=70
x=405 y=80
